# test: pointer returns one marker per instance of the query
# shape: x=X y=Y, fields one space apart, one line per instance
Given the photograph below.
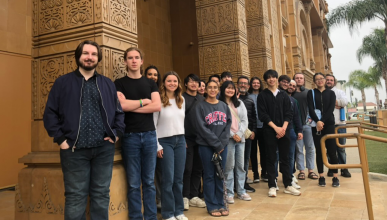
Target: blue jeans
x=87 y=172
x=212 y=185
x=292 y=149
x=341 y=155
x=235 y=166
x=247 y=155
x=139 y=152
x=309 y=149
x=173 y=163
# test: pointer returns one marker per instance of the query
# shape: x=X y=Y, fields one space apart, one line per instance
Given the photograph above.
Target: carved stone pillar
x=258 y=33
x=58 y=27
x=222 y=37
x=318 y=49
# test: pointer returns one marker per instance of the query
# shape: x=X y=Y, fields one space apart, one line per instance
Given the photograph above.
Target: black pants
x=192 y=173
x=282 y=145
x=258 y=140
x=330 y=146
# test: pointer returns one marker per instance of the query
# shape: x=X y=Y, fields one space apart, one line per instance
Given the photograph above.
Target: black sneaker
x=330 y=173
x=264 y=177
x=335 y=182
x=248 y=188
x=345 y=173
x=321 y=181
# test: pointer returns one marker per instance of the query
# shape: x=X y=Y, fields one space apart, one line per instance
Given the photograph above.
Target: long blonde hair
x=178 y=91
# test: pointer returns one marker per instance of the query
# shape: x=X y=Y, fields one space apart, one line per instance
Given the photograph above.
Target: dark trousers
x=247 y=155
x=258 y=140
x=213 y=189
x=330 y=146
x=87 y=172
x=192 y=173
x=282 y=146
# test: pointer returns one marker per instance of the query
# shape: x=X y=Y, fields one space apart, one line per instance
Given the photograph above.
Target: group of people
x=174 y=143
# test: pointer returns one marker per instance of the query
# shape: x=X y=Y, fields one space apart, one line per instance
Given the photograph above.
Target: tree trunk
x=377 y=98
x=363 y=97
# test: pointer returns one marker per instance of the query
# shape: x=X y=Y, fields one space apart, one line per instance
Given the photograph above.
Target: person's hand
x=338 y=107
x=252 y=136
x=280 y=131
x=236 y=138
x=300 y=136
x=64 y=145
x=160 y=153
x=320 y=126
x=109 y=139
x=146 y=102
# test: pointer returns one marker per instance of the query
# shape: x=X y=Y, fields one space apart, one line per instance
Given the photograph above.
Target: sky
x=344 y=49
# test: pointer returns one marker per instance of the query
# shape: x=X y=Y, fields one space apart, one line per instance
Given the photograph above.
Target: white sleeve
x=155 y=120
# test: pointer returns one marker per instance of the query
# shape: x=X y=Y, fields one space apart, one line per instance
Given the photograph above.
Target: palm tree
x=373 y=46
x=358 y=80
x=373 y=77
x=356 y=12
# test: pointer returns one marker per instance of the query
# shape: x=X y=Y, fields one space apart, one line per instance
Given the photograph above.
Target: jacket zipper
x=107 y=119
x=80 y=116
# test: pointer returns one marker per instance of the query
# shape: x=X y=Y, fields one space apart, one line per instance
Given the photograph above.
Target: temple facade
x=37 y=43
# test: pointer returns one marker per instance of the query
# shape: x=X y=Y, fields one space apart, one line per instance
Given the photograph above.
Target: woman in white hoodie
x=236 y=145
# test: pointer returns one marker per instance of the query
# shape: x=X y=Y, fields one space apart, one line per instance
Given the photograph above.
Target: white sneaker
x=197 y=202
x=181 y=217
x=292 y=190
x=272 y=192
x=249 y=181
x=245 y=197
x=295 y=185
x=171 y=218
x=158 y=204
x=276 y=185
x=186 y=203
x=230 y=199
x=256 y=180
x=295 y=179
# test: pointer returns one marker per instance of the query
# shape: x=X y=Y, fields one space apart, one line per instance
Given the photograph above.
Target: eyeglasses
x=320 y=79
x=212 y=87
x=243 y=83
x=284 y=82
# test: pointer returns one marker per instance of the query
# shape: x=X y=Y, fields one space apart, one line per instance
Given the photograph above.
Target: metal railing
x=361 y=137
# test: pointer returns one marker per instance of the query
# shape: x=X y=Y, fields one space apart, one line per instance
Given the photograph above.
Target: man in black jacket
x=85 y=118
x=276 y=113
x=193 y=164
x=243 y=87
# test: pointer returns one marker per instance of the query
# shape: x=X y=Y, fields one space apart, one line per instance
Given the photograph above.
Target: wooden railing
x=361 y=137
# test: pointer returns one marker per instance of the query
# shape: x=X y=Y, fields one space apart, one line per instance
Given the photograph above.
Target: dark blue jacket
x=63 y=109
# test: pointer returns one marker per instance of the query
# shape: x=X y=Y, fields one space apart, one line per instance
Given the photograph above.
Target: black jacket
x=277 y=109
x=251 y=114
x=326 y=102
x=63 y=109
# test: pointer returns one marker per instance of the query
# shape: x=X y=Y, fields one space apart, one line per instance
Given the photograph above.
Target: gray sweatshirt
x=213 y=123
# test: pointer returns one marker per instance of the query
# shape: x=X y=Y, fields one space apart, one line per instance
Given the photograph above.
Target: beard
x=87 y=68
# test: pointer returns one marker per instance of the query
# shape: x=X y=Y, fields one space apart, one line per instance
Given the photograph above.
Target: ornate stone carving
x=34 y=88
x=253 y=9
x=118 y=64
x=50 y=70
x=51 y=16
x=35 y=18
x=123 y=15
x=78 y=12
x=113 y=210
x=44 y=202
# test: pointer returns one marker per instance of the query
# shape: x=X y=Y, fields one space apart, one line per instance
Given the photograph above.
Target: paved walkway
x=345 y=202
